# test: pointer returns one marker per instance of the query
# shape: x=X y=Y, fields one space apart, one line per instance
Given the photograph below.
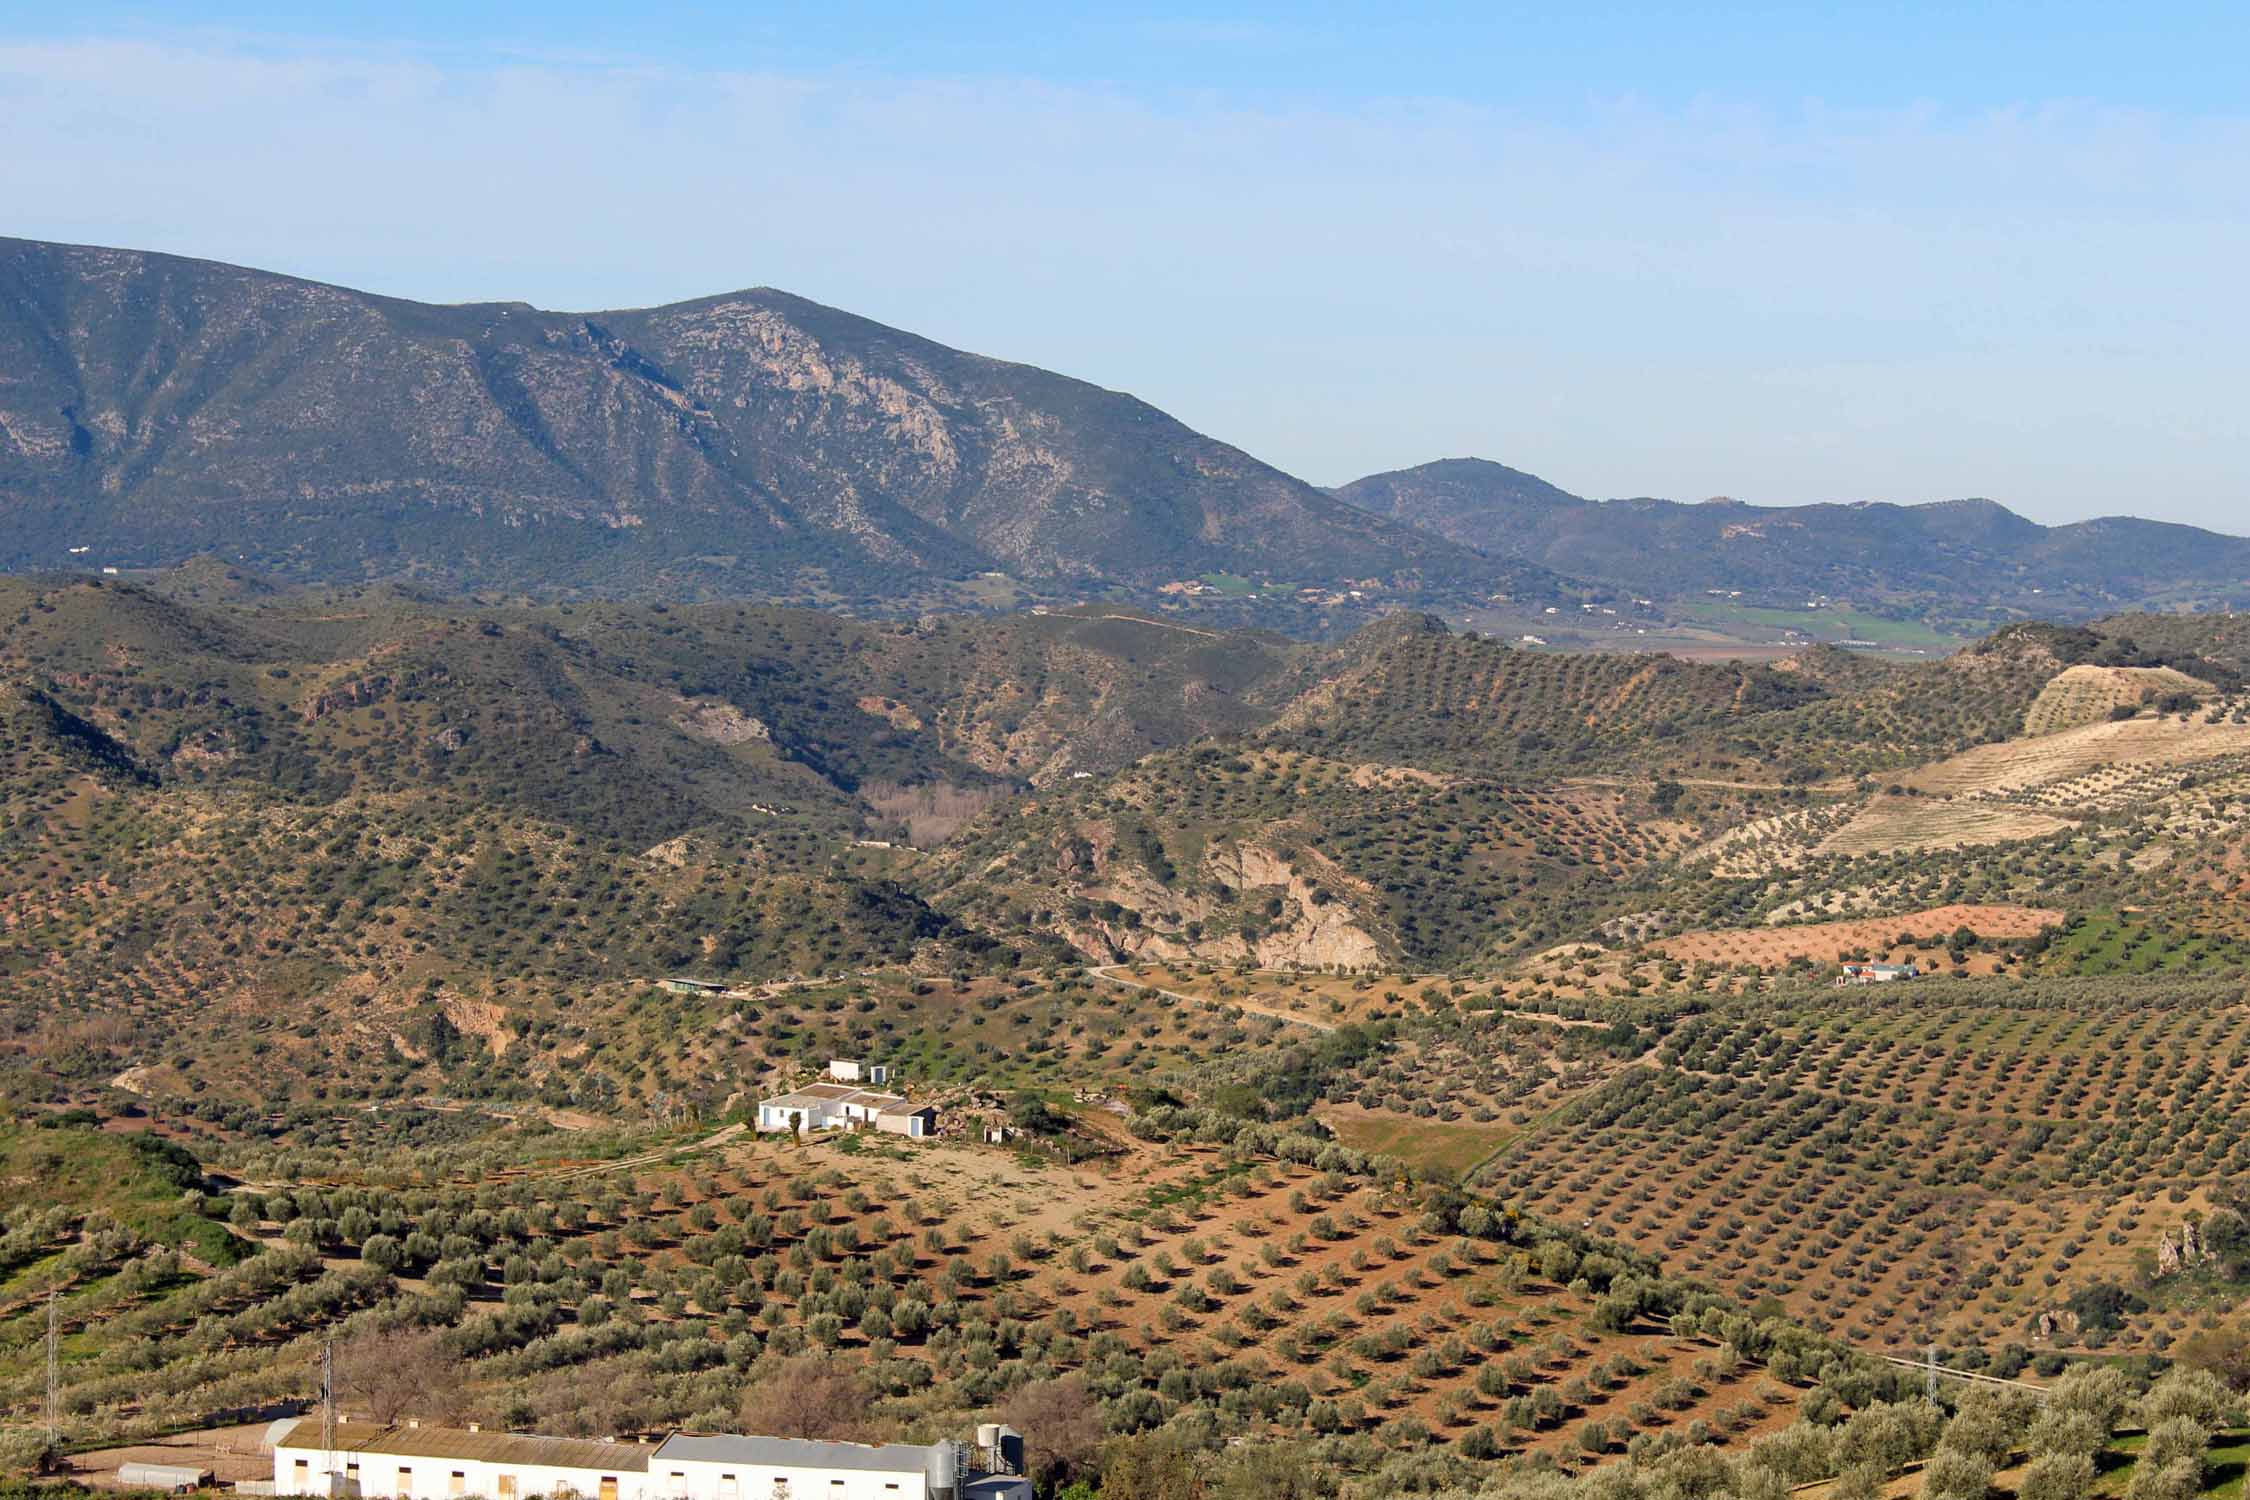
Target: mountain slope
x=1466 y=500
x=1970 y=552
x=157 y=407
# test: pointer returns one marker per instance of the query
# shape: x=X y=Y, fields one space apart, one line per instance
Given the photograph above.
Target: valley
x=1434 y=1057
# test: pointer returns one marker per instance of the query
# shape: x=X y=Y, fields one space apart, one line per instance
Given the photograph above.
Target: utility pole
x=1929 y=1381
x=328 y=1412
x=54 y=1375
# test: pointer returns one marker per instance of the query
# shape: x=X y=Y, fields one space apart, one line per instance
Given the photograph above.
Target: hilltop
x=1950 y=561
x=747 y=444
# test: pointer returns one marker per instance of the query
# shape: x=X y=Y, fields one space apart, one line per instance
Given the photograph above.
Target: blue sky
x=1787 y=253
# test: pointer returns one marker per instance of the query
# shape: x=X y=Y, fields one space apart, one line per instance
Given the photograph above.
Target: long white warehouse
x=415 y=1462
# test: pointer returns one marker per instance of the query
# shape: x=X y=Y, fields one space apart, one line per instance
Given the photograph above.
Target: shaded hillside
x=752 y=443
x=1433 y=799
x=1473 y=501
x=1408 y=690
x=389 y=813
x=1953 y=559
x=388 y=810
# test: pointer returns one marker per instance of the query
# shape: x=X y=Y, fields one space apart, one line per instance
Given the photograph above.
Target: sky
x=1908 y=252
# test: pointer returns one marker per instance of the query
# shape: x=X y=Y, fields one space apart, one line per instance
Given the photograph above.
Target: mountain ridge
x=746 y=442
x=1881 y=551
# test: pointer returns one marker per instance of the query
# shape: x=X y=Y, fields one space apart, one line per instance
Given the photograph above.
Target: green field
x=2224 y=1465
x=1427 y=1145
x=1823 y=624
x=2122 y=945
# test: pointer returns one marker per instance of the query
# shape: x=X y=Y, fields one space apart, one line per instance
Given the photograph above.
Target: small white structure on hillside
x=838 y=1106
x=853 y=1070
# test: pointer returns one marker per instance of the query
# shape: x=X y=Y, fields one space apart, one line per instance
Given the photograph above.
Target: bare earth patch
x=1828 y=942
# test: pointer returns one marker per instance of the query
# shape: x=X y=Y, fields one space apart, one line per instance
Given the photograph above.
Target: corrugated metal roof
x=483 y=1447
x=809 y=1453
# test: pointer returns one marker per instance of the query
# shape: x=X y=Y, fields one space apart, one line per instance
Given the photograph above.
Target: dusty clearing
x=1893 y=825
x=232 y=1454
x=2019 y=765
x=1828 y=942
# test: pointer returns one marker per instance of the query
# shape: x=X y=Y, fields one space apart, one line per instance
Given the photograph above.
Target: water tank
x=988 y=1438
x=941 y=1472
x=1008 y=1451
x=162 y=1477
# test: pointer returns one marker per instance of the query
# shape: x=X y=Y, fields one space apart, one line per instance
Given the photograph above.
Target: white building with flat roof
x=376 y=1462
x=690 y=1466
x=414 y=1462
x=839 y=1106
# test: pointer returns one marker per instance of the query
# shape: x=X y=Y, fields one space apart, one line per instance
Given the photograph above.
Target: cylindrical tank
x=161 y=1476
x=988 y=1438
x=941 y=1471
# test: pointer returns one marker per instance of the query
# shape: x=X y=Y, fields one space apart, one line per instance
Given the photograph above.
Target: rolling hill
x=1958 y=559
x=330 y=921
x=751 y=444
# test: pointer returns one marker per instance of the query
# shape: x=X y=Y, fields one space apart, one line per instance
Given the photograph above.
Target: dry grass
x=2019 y=765
x=1889 y=825
x=2085 y=694
x=1828 y=942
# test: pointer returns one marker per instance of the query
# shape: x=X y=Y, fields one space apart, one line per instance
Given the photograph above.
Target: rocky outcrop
x=2178 y=1249
x=357 y=692
x=720 y=722
x=1315 y=928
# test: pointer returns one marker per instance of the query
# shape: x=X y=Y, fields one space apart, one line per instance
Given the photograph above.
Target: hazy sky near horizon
x=1904 y=252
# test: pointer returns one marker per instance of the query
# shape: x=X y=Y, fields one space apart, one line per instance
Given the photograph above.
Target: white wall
x=817 y=1117
x=432 y=1478
x=701 y=1479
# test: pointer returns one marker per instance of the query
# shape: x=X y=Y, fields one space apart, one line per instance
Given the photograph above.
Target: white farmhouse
x=839 y=1106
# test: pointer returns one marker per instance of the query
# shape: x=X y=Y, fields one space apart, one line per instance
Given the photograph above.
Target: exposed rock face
x=356 y=693
x=1311 y=932
x=721 y=723
x=2178 y=1249
x=154 y=408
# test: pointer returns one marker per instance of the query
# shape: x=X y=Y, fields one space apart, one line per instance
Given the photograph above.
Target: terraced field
x=2015 y=766
x=1901 y=1170
x=2087 y=694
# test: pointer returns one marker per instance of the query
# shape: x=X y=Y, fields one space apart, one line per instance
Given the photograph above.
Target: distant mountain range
x=154 y=407
x=1972 y=553
x=754 y=444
